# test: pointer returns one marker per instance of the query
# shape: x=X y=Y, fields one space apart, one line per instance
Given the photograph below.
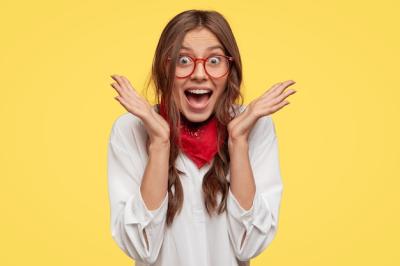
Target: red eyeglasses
x=215 y=66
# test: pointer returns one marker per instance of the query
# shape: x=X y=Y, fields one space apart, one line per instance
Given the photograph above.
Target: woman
x=195 y=179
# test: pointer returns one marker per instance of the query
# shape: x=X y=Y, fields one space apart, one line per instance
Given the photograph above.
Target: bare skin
x=242 y=181
x=154 y=184
x=199 y=42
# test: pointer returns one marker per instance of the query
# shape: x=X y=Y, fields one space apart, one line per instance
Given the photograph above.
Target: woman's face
x=199 y=42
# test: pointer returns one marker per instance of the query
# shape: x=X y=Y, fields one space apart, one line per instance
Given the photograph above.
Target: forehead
x=201 y=40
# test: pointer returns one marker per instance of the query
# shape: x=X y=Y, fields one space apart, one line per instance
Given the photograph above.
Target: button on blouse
x=194 y=239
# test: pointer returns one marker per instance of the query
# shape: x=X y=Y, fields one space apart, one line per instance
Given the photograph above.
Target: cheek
x=222 y=83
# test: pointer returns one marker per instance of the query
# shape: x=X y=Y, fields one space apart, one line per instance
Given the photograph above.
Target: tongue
x=198 y=100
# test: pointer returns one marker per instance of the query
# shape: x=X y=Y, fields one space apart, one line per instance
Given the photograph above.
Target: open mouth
x=198 y=98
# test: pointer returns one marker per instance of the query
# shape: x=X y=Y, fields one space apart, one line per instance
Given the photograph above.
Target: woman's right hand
x=156 y=126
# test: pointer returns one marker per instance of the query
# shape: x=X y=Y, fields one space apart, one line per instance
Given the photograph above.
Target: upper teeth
x=199 y=91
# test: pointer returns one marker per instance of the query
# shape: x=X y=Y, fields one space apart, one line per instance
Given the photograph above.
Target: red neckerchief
x=198 y=140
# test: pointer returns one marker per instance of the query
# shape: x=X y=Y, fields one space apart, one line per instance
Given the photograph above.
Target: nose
x=199 y=71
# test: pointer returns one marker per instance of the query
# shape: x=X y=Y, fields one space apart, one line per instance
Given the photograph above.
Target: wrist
x=237 y=143
x=159 y=146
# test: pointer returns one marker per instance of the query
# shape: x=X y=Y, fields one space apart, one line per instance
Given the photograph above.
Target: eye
x=184 y=59
x=214 y=60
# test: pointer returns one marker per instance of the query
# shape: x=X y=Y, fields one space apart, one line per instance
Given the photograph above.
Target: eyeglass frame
x=195 y=59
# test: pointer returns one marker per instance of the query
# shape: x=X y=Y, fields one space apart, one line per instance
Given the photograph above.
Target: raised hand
x=268 y=103
x=156 y=126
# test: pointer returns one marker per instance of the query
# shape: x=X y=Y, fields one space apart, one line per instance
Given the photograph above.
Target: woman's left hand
x=268 y=103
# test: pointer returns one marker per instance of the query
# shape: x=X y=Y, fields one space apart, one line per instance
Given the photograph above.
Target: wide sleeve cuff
x=136 y=211
x=259 y=215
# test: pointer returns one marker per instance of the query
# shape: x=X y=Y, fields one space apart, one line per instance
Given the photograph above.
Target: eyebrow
x=209 y=48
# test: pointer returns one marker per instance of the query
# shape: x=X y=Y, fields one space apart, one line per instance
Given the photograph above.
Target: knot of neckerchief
x=198 y=139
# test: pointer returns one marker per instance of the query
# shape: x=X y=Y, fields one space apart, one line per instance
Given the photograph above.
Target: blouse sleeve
x=258 y=225
x=138 y=231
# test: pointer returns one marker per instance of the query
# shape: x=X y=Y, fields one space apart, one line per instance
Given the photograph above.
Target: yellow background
x=338 y=138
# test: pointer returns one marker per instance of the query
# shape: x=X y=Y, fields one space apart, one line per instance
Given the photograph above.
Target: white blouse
x=194 y=239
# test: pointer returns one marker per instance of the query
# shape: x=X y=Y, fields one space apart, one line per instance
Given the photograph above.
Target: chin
x=196 y=117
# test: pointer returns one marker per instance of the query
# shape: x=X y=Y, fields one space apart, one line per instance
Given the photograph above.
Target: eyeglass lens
x=216 y=66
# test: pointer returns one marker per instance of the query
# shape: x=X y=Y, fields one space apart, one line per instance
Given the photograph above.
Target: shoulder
x=125 y=123
x=261 y=137
x=128 y=131
x=264 y=124
x=263 y=130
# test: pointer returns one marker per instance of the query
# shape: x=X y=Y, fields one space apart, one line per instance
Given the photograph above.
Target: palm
x=268 y=103
x=136 y=104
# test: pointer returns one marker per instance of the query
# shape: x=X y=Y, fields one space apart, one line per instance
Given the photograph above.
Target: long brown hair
x=214 y=182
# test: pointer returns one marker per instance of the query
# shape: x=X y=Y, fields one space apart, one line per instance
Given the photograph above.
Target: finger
x=283 y=86
x=123 y=79
x=117 y=88
x=129 y=85
x=276 y=85
x=126 y=90
x=285 y=95
x=121 y=91
x=279 y=106
x=131 y=90
x=121 y=100
x=131 y=107
x=119 y=81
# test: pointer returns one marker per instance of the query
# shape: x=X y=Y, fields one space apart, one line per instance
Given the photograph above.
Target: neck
x=189 y=123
